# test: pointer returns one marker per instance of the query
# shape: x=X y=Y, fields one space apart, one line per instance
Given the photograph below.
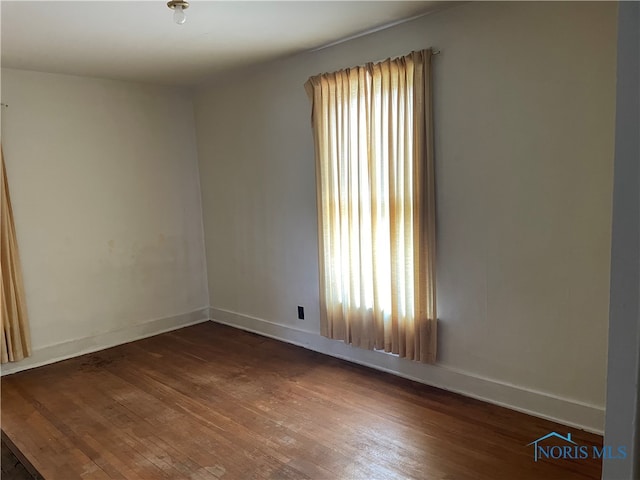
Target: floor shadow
x=11 y=467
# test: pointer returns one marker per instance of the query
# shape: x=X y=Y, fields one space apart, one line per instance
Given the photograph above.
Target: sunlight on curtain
x=16 y=344
x=376 y=205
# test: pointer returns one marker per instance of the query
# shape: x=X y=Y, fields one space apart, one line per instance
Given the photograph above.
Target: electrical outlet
x=300 y=312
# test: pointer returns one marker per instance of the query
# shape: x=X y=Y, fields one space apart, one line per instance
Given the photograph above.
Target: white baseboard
x=82 y=346
x=540 y=404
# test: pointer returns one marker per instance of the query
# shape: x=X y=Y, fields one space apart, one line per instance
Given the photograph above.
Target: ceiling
x=139 y=41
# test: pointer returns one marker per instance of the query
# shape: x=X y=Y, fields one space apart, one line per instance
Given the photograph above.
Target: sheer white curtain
x=376 y=205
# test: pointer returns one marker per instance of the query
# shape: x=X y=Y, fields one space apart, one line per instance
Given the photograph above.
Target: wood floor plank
x=211 y=402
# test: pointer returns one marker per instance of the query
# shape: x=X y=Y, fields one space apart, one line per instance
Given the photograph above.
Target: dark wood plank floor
x=212 y=402
x=10 y=466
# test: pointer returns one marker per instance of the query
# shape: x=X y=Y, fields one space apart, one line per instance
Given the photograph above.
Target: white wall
x=524 y=108
x=104 y=184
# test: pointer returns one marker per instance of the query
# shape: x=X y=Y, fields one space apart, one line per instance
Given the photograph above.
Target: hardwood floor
x=213 y=402
x=10 y=466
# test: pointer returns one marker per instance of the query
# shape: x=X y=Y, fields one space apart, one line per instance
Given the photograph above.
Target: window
x=376 y=205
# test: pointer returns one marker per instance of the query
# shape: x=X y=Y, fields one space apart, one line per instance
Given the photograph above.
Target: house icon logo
x=535 y=443
x=570 y=450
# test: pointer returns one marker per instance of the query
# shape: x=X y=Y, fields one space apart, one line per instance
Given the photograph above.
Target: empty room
x=322 y=240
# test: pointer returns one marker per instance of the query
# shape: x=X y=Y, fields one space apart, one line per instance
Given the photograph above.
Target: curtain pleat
x=16 y=343
x=373 y=135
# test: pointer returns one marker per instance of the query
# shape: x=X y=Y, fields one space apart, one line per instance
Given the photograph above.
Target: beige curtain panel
x=16 y=343
x=373 y=132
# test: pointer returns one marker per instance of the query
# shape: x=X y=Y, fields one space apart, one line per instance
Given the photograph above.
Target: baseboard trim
x=75 y=348
x=540 y=404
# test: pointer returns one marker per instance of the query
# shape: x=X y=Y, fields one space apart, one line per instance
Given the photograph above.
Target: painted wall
x=623 y=379
x=524 y=108
x=104 y=183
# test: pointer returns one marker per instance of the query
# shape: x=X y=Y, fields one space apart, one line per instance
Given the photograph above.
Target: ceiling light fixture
x=178 y=7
